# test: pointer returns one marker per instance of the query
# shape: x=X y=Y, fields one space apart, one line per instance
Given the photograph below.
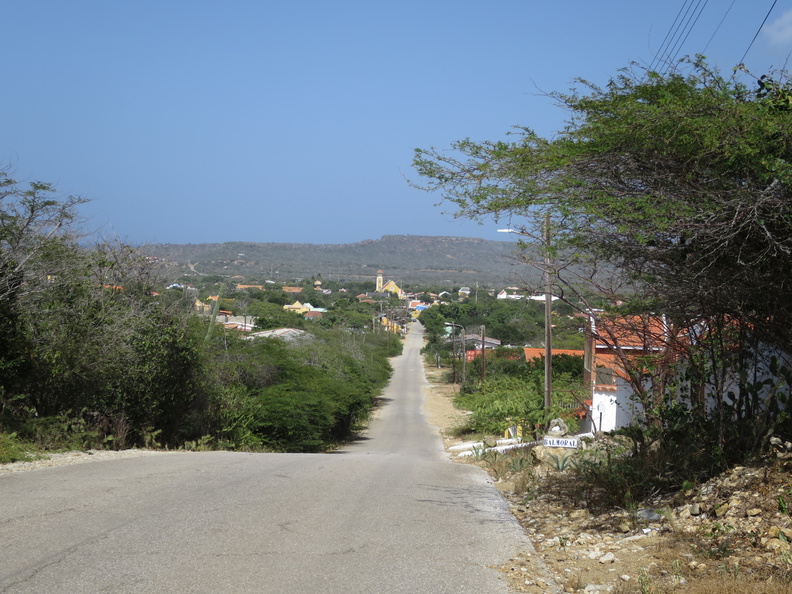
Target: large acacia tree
x=675 y=188
x=666 y=194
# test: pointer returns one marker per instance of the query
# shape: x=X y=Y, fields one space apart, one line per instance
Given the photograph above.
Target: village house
x=297 y=307
x=510 y=293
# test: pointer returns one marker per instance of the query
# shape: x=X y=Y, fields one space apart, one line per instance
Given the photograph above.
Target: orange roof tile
x=531 y=353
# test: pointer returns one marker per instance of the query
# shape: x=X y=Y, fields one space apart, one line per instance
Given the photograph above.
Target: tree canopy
x=670 y=192
x=96 y=352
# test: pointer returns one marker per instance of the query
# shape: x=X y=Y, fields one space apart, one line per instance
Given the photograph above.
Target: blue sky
x=201 y=122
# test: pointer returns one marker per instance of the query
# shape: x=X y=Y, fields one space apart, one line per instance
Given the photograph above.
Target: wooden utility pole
x=464 y=355
x=548 y=399
x=454 y=352
x=483 y=353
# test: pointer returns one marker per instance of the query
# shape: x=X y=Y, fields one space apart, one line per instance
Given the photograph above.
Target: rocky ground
x=729 y=535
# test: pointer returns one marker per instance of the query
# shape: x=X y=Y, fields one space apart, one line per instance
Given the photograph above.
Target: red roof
x=531 y=353
x=648 y=333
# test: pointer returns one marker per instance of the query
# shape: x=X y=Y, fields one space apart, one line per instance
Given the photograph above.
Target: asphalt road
x=390 y=513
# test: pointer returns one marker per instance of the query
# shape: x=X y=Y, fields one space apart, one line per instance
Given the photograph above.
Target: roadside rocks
x=744 y=517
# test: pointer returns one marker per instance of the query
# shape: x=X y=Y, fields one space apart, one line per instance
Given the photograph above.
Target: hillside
x=452 y=261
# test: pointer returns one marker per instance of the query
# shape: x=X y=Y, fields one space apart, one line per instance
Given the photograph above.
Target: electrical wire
x=728 y=10
x=682 y=41
x=666 y=38
x=750 y=45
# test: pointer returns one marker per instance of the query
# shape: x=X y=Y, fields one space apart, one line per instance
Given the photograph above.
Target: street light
x=464 y=350
x=548 y=400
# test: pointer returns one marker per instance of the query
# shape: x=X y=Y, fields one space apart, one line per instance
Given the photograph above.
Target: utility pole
x=453 y=327
x=464 y=354
x=483 y=353
x=454 y=352
x=548 y=400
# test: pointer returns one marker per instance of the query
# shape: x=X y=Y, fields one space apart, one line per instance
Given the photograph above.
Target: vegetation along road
x=389 y=513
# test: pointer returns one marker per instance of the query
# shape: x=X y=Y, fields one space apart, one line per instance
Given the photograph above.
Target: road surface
x=390 y=513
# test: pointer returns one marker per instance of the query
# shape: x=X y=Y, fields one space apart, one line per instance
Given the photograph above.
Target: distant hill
x=451 y=261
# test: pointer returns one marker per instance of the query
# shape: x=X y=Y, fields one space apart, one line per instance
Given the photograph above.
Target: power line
x=681 y=43
x=728 y=10
x=670 y=35
x=757 y=32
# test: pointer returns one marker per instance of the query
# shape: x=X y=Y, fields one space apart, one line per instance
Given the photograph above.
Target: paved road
x=390 y=513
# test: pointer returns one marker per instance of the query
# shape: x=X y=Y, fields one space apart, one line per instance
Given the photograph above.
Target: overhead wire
x=686 y=19
x=689 y=28
x=715 y=32
x=750 y=45
x=656 y=59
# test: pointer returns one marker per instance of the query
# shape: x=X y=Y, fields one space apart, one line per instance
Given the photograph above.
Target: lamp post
x=548 y=370
x=464 y=350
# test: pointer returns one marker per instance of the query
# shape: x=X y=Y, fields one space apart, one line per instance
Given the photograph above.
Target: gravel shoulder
x=68 y=458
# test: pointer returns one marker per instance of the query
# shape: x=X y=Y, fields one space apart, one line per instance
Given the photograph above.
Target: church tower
x=379 y=281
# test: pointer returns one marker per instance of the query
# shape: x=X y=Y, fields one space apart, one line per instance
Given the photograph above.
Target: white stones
x=607 y=558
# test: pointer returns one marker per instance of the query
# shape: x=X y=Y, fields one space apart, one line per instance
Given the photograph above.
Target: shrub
x=12 y=449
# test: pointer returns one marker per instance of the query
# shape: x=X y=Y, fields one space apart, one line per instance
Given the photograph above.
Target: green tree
x=670 y=191
x=33 y=224
x=665 y=193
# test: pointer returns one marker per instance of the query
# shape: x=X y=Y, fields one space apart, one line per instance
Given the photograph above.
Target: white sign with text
x=560 y=442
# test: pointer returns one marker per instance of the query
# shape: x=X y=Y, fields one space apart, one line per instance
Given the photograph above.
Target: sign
x=560 y=442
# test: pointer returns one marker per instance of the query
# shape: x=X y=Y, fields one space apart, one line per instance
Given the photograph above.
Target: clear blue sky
x=186 y=121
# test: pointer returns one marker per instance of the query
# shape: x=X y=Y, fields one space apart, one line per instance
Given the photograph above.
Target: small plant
x=204 y=444
x=575 y=583
x=645 y=582
x=721 y=541
x=786 y=558
x=12 y=450
x=629 y=502
x=560 y=463
x=676 y=569
x=150 y=437
x=519 y=464
x=524 y=483
x=719 y=529
x=731 y=570
x=785 y=501
x=496 y=463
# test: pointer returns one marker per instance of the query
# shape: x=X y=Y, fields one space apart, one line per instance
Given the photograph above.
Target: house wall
x=613 y=408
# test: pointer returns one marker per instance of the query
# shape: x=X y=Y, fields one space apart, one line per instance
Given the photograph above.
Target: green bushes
x=502 y=402
x=228 y=393
x=93 y=355
x=12 y=449
x=301 y=396
x=679 y=449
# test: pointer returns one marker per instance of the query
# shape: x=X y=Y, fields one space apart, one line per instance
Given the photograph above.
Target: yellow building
x=297 y=308
x=389 y=287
